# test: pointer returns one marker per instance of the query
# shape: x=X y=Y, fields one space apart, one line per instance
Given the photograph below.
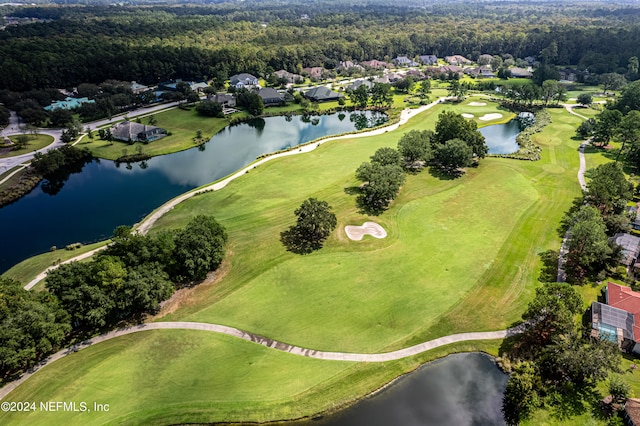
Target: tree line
x=122 y=284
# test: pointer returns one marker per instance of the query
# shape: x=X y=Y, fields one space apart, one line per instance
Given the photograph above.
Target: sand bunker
x=477 y=104
x=489 y=117
x=368 y=228
x=466 y=115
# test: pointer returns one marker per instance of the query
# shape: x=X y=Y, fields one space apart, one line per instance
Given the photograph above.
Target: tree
x=199 y=248
x=543 y=73
x=606 y=124
x=612 y=81
x=608 y=190
x=381 y=95
x=32 y=325
x=549 y=90
x=454 y=126
x=629 y=133
x=453 y=155
x=619 y=389
x=629 y=98
x=404 y=85
x=60 y=117
x=425 y=88
x=586 y=128
x=588 y=249
x=415 y=147
x=210 y=109
x=381 y=184
x=315 y=222
x=521 y=394
x=360 y=96
x=585 y=99
x=457 y=89
x=387 y=156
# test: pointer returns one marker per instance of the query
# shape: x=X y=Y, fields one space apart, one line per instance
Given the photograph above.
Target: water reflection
x=501 y=138
x=460 y=390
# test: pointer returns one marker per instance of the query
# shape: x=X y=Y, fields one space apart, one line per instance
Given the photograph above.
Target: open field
x=460 y=255
x=178 y=376
x=34 y=143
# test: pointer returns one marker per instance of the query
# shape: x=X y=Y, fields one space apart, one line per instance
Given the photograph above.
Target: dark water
x=102 y=196
x=501 y=138
x=459 y=390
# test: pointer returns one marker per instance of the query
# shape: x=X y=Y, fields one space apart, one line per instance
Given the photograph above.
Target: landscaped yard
x=34 y=143
x=461 y=255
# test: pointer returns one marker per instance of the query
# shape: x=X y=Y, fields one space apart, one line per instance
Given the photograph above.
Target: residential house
x=531 y=60
x=322 y=93
x=271 y=96
x=346 y=65
x=375 y=64
x=138 y=88
x=415 y=74
x=225 y=99
x=244 y=80
x=517 y=72
x=363 y=82
x=630 y=245
x=634 y=215
x=457 y=60
x=403 y=61
x=314 y=72
x=172 y=86
x=129 y=131
x=290 y=77
x=618 y=319
x=568 y=75
x=480 y=72
x=428 y=59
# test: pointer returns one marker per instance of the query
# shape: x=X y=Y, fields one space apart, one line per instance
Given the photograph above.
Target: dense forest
x=91 y=44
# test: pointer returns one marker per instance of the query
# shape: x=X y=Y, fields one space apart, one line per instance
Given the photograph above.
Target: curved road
x=231 y=331
x=296 y=350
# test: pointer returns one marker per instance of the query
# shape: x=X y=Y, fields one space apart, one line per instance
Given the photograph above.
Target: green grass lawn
x=28 y=269
x=185 y=376
x=182 y=124
x=461 y=255
x=34 y=143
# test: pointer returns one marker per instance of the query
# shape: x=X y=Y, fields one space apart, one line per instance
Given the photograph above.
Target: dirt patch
x=477 y=104
x=368 y=228
x=489 y=117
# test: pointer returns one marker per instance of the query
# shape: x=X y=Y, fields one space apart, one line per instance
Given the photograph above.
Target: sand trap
x=368 y=228
x=466 y=115
x=489 y=117
x=477 y=104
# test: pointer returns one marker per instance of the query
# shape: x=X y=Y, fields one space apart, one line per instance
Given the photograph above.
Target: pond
x=103 y=195
x=461 y=389
x=501 y=138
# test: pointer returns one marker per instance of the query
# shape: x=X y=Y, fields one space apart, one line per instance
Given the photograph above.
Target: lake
x=461 y=389
x=501 y=138
x=92 y=203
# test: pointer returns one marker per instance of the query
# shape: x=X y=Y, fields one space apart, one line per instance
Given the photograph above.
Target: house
x=630 y=245
x=225 y=99
x=632 y=412
x=634 y=214
x=322 y=93
x=531 y=60
x=314 y=72
x=428 y=59
x=197 y=86
x=271 y=96
x=346 y=65
x=290 y=77
x=137 y=87
x=480 y=72
x=172 y=86
x=568 y=75
x=363 y=82
x=415 y=74
x=520 y=73
x=375 y=64
x=403 y=61
x=68 y=103
x=128 y=131
x=457 y=60
x=244 y=80
x=618 y=319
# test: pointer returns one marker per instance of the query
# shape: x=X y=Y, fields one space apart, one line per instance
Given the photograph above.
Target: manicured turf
x=28 y=269
x=182 y=124
x=461 y=255
x=184 y=376
x=34 y=143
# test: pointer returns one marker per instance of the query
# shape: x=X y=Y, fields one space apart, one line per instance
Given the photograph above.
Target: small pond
x=461 y=390
x=89 y=205
x=501 y=138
